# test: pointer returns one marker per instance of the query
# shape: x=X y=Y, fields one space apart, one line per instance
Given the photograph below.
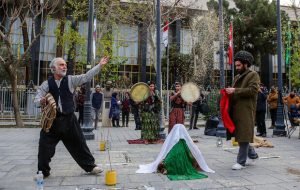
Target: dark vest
x=66 y=97
x=97 y=100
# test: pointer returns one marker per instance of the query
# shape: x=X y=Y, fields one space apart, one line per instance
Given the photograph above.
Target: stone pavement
x=18 y=162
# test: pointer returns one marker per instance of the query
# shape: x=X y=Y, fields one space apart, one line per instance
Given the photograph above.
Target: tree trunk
x=59 y=47
x=13 y=80
x=72 y=51
x=28 y=70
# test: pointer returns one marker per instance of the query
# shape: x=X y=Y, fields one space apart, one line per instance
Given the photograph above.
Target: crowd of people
x=248 y=98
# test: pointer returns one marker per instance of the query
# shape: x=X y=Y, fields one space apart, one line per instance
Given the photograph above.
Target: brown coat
x=289 y=101
x=243 y=105
x=272 y=99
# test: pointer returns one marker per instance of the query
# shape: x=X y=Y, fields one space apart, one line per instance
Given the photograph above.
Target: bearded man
x=65 y=126
x=243 y=96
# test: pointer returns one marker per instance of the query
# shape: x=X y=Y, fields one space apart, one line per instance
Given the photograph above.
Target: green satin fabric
x=179 y=163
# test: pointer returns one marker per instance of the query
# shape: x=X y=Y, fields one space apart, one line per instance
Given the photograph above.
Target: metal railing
x=29 y=111
x=25 y=97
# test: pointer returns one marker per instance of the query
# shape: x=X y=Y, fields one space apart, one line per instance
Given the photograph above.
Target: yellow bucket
x=111 y=177
x=102 y=145
x=233 y=142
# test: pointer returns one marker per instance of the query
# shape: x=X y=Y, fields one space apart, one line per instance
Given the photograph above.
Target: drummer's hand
x=178 y=93
x=190 y=103
x=229 y=90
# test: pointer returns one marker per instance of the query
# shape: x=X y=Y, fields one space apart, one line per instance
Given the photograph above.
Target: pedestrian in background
x=272 y=101
x=80 y=103
x=135 y=107
x=261 y=111
x=291 y=99
x=114 y=112
x=196 y=109
x=97 y=99
x=125 y=110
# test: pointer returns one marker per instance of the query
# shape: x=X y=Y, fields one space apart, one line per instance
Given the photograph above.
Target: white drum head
x=190 y=92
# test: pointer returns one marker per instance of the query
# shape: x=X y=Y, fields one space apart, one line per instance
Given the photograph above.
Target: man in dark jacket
x=135 y=111
x=196 y=109
x=97 y=98
x=261 y=111
x=243 y=96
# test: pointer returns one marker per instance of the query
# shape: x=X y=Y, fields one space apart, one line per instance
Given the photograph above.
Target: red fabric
x=224 y=106
x=126 y=105
x=166 y=27
x=230 y=48
x=176 y=116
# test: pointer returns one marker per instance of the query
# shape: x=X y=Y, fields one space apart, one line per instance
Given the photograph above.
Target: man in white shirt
x=65 y=126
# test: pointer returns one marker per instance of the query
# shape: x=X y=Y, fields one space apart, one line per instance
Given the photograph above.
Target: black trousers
x=115 y=121
x=67 y=129
x=260 y=121
x=125 y=118
x=80 y=118
x=194 y=117
x=137 y=119
x=273 y=113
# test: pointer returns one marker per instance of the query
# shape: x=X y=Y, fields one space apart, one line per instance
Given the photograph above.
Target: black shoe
x=190 y=129
x=255 y=156
x=264 y=135
x=196 y=128
x=271 y=127
x=259 y=135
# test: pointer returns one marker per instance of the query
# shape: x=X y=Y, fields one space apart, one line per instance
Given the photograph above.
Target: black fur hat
x=245 y=57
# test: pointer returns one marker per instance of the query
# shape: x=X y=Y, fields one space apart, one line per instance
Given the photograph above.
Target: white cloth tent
x=178 y=132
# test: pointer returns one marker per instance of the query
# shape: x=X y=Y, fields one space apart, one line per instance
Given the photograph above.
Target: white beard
x=62 y=73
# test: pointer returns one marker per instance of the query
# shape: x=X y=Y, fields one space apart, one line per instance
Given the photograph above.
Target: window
x=125 y=43
x=186 y=42
x=48 y=40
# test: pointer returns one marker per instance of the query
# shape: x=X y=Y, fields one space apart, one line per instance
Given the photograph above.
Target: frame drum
x=139 y=92
x=190 y=92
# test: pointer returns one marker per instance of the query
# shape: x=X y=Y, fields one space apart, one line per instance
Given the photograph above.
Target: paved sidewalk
x=18 y=162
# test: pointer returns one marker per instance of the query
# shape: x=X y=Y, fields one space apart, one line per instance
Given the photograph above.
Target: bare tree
x=12 y=11
x=204 y=30
x=295 y=4
x=144 y=13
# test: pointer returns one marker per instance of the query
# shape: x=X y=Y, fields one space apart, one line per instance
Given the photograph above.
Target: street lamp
x=221 y=131
x=87 y=126
x=158 y=64
x=279 y=129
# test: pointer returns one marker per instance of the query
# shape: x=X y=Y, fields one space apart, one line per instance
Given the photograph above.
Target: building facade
x=129 y=42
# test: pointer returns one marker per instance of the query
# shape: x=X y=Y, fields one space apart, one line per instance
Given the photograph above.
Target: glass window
x=149 y=49
x=48 y=40
x=135 y=68
x=186 y=42
x=125 y=43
